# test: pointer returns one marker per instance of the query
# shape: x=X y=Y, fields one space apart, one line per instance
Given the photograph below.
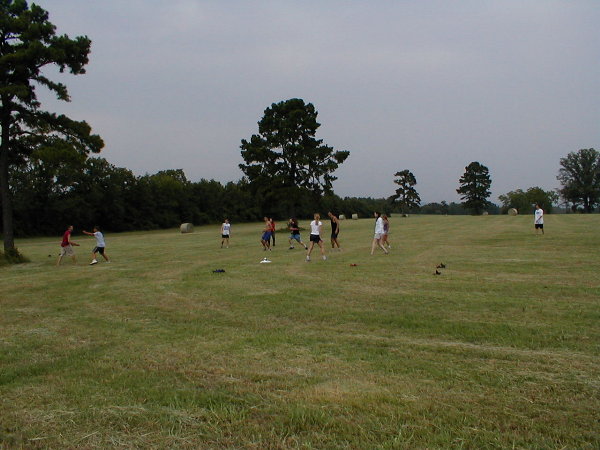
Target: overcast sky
x=422 y=85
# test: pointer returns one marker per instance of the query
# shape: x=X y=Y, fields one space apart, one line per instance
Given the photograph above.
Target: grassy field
x=155 y=350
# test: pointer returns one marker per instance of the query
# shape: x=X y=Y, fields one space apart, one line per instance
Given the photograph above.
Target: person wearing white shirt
x=315 y=237
x=538 y=219
x=225 y=233
x=100 y=245
x=379 y=230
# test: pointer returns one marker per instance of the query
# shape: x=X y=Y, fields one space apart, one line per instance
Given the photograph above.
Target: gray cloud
x=427 y=86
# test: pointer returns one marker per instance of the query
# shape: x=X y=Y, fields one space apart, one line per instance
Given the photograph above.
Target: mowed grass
x=157 y=351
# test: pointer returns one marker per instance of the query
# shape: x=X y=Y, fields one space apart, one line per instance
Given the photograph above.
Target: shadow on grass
x=12 y=256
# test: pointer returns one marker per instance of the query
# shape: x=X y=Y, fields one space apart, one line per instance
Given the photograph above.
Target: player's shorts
x=225 y=236
x=296 y=236
x=377 y=236
x=98 y=250
x=315 y=238
x=334 y=235
x=539 y=226
x=266 y=236
x=67 y=251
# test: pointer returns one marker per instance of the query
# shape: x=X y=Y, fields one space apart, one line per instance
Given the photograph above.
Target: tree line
x=48 y=179
x=48 y=197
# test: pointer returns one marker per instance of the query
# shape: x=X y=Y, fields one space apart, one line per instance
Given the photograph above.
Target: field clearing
x=155 y=350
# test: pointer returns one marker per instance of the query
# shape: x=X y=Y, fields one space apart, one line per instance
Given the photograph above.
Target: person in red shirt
x=66 y=246
x=272 y=223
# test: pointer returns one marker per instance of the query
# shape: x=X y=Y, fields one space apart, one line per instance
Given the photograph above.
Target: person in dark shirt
x=295 y=233
x=335 y=230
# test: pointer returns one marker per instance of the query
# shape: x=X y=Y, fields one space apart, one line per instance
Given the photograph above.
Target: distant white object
x=342 y=217
x=513 y=212
x=485 y=213
x=186 y=228
x=404 y=215
x=265 y=261
x=354 y=216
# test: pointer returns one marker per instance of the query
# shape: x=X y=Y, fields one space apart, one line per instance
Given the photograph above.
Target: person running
x=295 y=233
x=378 y=234
x=66 y=246
x=265 y=239
x=272 y=223
x=386 y=230
x=225 y=233
x=335 y=230
x=538 y=219
x=100 y=245
x=315 y=237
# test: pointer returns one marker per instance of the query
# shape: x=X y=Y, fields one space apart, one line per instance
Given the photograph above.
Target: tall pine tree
x=28 y=43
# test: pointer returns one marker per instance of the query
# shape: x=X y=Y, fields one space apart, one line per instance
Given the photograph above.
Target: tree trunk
x=5 y=197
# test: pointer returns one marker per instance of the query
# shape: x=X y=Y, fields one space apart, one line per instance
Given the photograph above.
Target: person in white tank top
x=225 y=233
x=315 y=237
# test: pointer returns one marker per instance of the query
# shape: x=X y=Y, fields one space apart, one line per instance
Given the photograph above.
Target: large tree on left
x=28 y=44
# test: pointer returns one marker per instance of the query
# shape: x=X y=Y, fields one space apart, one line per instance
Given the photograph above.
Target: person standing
x=66 y=246
x=538 y=219
x=272 y=223
x=315 y=237
x=378 y=234
x=335 y=230
x=100 y=245
x=265 y=239
x=295 y=233
x=225 y=233
x=386 y=230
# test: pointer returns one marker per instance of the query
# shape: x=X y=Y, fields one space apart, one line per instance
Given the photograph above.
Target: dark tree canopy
x=285 y=158
x=580 y=178
x=475 y=187
x=406 y=195
x=524 y=201
x=28 y=43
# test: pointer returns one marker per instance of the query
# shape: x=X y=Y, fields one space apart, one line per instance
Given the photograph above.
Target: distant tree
x=42 y=187
x=580 y=177
x=27 y=44
x=443 y=207
x=406 y=195
x=524 y=201
x=172 y=193
x=475 y=187
x=285 y=157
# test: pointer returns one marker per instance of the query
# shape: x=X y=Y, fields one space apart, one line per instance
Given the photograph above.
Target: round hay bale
x=186 y=228
x=342 y=217
x=485 y=213
x=354 y=216
x=513 y=212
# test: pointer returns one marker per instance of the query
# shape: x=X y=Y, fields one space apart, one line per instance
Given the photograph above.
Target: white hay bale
x=186 y=228
x=513 y=212
x=485 y=213
x=354 y=216
x=342 y=217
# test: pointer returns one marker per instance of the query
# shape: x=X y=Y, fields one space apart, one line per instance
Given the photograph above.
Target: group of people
x=66 y=246
x=380 y=237
x=267 y=239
